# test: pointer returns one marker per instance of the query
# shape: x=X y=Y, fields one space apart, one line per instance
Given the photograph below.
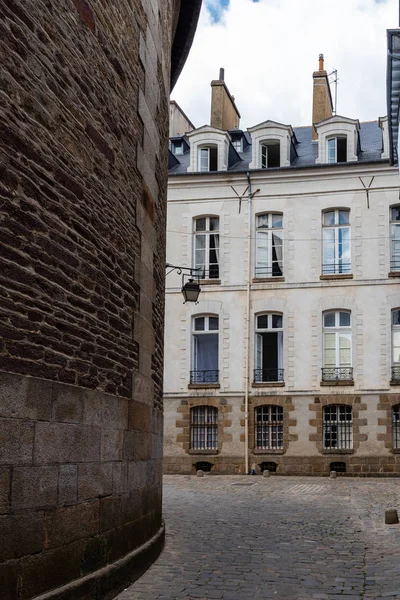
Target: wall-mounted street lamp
x=190 y=288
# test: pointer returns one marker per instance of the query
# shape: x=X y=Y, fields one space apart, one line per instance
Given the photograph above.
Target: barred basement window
x=204 y=428
x=269 y=427
x=268 y=466
x=396 y=426
x=338 y=427
x=203 y=466
x=339 y=467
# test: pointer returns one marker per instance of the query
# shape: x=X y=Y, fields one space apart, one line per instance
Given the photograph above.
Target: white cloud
x=269 y=50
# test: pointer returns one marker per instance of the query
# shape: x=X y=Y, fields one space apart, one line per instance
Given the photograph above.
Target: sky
x=269 y=50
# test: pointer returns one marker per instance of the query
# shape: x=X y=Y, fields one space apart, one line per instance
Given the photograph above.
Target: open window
x=208 y=158
x=336 y=149
x=269 y=348
x=204 y=350
x=270 y=154
x=269 y=250
x=206 y=247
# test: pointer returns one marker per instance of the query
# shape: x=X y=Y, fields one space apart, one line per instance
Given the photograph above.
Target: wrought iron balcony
x=337 y=374
x=211 y=273
x=199 y=377
x=396 y=373
x=395 y=264
x=340 y=268
x=273 y=271
x=268 y=375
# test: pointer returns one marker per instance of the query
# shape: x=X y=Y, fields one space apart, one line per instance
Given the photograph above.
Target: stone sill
x=194 y=451
x=209 y=281
x=337 y=383
x=266 y=452
x=207 y=386
x=335 y=451
x=271 y=384
x=336 y=276
x=267 y=279
x=394 y=274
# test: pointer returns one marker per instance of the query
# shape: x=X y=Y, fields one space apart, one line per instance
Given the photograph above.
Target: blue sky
x=269 y=50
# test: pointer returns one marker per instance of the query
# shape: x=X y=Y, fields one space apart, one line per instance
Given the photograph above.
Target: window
x=337 y=346
x=339 y=467
x=206 y=247
x=208 y=160
x=336 y=150
x=269 y=249
x=336 y=242
x=237 y=144
x=396 y=426
x=269 y=427
x=268 y=466
x=203 y=466
x=396 y=344
x=177 y=147
x=395 y=238
x=269 y=349
x=270 y=155
x=204 y=428
x=338 y=427
x=205 y=350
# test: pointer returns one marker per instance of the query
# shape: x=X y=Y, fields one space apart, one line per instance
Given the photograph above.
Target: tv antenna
x=334 y=81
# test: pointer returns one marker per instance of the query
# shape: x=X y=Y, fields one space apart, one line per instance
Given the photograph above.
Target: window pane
x=214 y=223
x=396 y=346
x=201 y=224
x=277 y=221
x=344 y=320
x=276 y=321
x=344 y=217
x=396 y=317
x=329 y=218
x=262 y=221
x=329 y=319
x=204 y=159
x=396 y=213
x=213 y=323
x=344 y=350
x=262 y=322
x=331 y=150
x=329 y=349
x=344 y=249
x=199 y=324
x=206 y=358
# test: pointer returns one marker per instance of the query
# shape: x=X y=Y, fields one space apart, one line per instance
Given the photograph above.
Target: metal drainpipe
x=247 y=352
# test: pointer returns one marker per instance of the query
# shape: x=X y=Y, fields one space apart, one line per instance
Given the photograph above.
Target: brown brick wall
x=84 y=120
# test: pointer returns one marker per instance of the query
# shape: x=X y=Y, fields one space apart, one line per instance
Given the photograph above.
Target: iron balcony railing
x=208 y=376
x=340 y=268
x=396 y=373
x=395 y=264
x=273 y=271
x=268 y=375
x=211 y=273
x=337 y=374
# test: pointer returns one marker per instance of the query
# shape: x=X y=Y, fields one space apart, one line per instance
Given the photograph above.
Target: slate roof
x=307 y=150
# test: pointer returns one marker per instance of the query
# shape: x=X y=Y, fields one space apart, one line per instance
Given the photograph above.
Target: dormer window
x=270 y=155
x=336 y=149
x=177 y=147
x=237 y=144
x=208 y=159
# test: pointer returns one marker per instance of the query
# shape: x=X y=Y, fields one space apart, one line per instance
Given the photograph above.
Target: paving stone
x=295 y=539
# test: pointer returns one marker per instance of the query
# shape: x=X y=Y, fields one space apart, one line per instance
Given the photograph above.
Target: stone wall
x=84 y=120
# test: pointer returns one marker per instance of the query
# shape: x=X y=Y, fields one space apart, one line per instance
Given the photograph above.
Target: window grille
x=203 y=466
x=269 y=466
x=269 y=427
x=204 y=428
x=338 y=427
x=339 y=467
x=396 y=426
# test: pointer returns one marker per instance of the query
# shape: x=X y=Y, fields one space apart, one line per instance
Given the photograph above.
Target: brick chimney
x=224 y=113
x=322 y=98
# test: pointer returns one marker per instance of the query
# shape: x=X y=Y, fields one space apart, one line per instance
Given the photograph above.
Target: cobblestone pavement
x=281 y=537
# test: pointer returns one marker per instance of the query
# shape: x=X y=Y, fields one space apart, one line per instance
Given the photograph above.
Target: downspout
x=247 y=350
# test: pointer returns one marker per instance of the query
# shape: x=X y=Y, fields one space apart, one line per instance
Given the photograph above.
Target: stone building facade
x=290 y=360
x=84 y=120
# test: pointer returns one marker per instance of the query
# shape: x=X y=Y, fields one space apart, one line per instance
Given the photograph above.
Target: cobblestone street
x=238 y=538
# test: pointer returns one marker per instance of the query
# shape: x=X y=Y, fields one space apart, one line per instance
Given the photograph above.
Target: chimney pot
x=321 y=62
x=221 y=74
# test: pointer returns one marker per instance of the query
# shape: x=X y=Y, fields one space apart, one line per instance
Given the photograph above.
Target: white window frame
x=339 y=369
x=177 y=148
x=338 y=267
x=237 y=143
x=395 y=343
x=268 y=429
x=213 y=377
x=209 y=270
x=264 y=153
x=264 y=267
x=394 y=239
x=258 y=346
x=333 y=159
